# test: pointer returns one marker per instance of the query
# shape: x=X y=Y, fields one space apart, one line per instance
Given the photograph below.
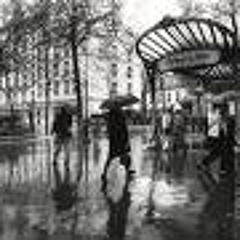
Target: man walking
x=61 y=130
x=117 y=174
x=220 y=203
x=65 y=192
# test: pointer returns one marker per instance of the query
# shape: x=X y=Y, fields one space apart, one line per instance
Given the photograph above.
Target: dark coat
x=62 y=124
x=118 y=146
x=228 y=142
x=117 y=133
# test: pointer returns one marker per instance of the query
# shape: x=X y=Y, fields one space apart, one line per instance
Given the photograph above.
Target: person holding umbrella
x=117 y=173
x=64 y=192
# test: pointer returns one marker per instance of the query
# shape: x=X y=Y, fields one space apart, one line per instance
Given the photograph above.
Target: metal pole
x=47 y=80
x=77 y=83
x=86 y=116
x=235 y=83
x=151 y=71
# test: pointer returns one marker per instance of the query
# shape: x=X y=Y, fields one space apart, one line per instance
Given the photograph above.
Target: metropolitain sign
x=188 y=59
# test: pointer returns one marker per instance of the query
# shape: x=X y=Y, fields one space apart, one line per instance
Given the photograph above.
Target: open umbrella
x=119 y=101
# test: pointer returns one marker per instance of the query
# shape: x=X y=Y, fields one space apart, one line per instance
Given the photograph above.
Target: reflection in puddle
x=28 y=211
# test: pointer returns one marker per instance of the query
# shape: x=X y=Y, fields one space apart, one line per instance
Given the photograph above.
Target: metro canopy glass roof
x=201 y=48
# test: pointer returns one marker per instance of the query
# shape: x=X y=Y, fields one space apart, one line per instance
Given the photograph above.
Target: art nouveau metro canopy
x=197 y=47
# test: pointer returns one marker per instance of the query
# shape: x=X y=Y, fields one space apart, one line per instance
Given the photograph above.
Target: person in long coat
x=61 y=130
x=118 y=164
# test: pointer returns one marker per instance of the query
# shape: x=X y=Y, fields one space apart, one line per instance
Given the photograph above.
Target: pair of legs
x=65 y=191
x=62 y=144
x=117 y=221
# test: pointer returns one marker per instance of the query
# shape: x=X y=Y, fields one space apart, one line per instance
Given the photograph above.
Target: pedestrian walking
x=61 y=131
x=31 y=120
x=179 y=148
x=117 y=174
x=65 y=191
x=213 y=134
x=96 y=151
x=220 y=204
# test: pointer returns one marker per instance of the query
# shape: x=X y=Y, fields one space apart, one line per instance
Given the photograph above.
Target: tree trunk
x=77 y=85
x=47 y=95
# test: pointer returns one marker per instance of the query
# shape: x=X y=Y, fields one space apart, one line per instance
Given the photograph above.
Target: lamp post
x=199 y=92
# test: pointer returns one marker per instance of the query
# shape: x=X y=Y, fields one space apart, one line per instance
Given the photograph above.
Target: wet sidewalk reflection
x=28 y=210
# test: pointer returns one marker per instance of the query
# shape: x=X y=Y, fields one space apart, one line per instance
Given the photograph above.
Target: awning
x=199 y=48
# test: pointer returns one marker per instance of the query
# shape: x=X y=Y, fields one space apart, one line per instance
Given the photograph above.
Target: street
x=28 y=209
x=119 y=120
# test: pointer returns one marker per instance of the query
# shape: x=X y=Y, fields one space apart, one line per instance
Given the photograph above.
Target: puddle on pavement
x=28 y=214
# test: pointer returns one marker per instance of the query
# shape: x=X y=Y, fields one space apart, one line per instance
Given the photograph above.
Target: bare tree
x=70 y=23
x=12 y=51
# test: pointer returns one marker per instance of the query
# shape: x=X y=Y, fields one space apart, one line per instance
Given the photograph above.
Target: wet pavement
x=27 y=209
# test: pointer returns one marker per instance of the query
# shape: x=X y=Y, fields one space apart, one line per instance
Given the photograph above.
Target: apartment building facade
x=43 y=79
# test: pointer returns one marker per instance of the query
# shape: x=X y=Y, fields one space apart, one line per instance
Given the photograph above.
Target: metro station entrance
x=203 y=53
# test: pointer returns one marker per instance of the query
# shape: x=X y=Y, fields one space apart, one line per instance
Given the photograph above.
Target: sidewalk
x=181 y=224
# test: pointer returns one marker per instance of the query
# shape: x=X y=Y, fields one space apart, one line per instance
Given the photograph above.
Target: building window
x=55 y=69
x=169 y=97
x=67 y=52
x=114 y=69
x=40 y=72
x=33 y=94
x=33 y=39
x=129 y=72
x=66 y=70
x=114 y=89
x=40 y=90
x=38 y=116
x=67 y=87
x=177 y=96
x=129 y=88
x=56 y=55
x=17 y=80
x=41 y=54
x=24 y=96
x=33 y=76
x=24 y=75
x=56 y=87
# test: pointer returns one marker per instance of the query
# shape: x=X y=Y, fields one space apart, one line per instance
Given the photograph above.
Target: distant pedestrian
x=178 y=146
x=64 y=192
x=220 y=204
x=96 y=150
x=31 y=120
x=217 y=132
x=61 y=130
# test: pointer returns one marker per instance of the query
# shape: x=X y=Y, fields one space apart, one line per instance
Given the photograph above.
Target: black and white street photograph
x=119 y=120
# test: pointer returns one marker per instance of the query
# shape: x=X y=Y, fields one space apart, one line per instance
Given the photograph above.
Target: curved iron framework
x=175 y=36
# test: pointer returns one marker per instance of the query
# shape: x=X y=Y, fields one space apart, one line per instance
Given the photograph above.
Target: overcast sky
x=141 y=14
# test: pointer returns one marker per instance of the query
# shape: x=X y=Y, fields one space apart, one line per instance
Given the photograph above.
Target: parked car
x=12 y=124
